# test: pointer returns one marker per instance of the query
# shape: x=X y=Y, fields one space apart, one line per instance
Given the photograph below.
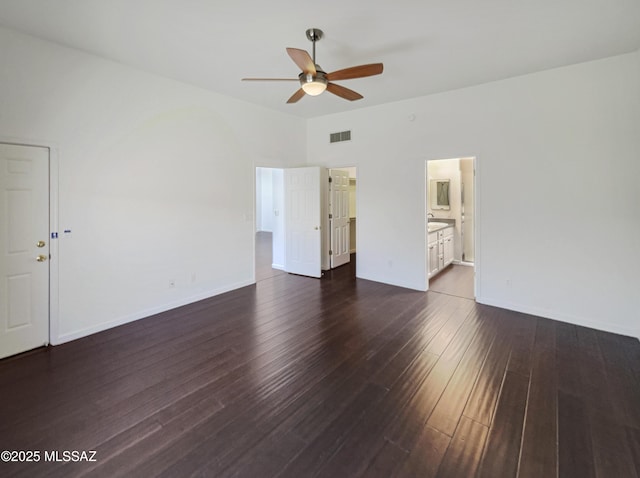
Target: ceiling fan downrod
x=314 y=35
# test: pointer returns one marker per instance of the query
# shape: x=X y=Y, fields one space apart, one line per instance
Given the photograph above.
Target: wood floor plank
x=426 y=456
x=612 y=455
x=502 y=449
x=456 y=280
x=633 y=437
x=545 y=333
x=575 y=454
x=388 y=458
x=538 y=455
x=621 y=377
x=524 y=330
x=465 y=450
x=448 y=411
x=481 y=403
x=595 y=390
x=310 y=461
x=409 y=423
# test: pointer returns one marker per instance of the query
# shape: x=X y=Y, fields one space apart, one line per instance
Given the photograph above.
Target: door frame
x=476 y=222
x=54 y=286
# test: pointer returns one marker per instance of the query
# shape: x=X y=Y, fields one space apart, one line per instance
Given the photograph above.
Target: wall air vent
x=341 y=136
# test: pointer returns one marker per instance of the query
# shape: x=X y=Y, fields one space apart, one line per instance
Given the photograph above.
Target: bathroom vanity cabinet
x=440 y=247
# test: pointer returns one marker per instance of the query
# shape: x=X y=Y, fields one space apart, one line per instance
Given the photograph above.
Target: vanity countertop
x=434 y=226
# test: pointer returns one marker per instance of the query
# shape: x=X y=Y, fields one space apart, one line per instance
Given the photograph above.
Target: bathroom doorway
x=450 y=226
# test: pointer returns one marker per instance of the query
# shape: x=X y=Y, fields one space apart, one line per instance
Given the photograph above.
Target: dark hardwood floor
x=264 y=257
x=338 y=377
x=454 y=280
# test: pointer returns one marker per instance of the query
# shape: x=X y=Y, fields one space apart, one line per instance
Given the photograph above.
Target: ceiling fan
x=313 y=80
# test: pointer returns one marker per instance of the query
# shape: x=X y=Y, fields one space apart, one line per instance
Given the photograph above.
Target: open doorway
x=450 y=200
x=277 y=220
x=342 y=216
x=269 y=223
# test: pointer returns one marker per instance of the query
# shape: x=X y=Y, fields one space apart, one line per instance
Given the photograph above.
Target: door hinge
x=330 y=252
x=330 y=179
x=330 y=216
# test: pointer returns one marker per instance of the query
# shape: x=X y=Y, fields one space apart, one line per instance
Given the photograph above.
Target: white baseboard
x=404 y=285
x=569 y=319
x=280 y=267
x=68 y=337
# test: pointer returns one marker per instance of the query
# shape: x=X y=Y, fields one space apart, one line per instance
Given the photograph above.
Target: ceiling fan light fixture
x=314 y=81
x=313 y=85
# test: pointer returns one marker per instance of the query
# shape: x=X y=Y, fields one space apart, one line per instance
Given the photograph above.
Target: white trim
x=384 y=280
x=54 y=279
x=567 y=318
x=279 y=267
x=148 y=312
x=477 y=222
x=54 y=263
x=254 y=172
x=425 y=220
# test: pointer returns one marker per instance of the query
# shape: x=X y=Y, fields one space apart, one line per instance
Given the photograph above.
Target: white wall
x=156 y=180
x=558 y=161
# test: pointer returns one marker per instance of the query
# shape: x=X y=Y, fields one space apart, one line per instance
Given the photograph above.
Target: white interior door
x=302 y=215
x=339 y=217
x=24 y=248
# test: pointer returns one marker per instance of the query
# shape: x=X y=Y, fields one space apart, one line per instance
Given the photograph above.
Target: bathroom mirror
x=439 y=190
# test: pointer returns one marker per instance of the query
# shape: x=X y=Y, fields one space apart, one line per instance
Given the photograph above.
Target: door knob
x=40 y=244
x=41 y=258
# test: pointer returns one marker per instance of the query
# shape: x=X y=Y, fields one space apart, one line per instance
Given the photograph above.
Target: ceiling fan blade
x=303 y=60
x=356 y=72
x=270 y=79
x=296 y=96
x=343 y=92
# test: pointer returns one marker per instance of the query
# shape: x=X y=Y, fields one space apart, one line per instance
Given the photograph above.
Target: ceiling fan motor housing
x=313 y=84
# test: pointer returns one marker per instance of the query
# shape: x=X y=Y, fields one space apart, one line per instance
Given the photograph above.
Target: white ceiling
x=426 y=46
